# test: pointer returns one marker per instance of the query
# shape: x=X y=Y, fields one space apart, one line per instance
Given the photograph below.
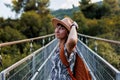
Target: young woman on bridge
x=65 y=32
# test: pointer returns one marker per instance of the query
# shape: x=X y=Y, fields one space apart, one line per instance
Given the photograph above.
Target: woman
x=65 y=32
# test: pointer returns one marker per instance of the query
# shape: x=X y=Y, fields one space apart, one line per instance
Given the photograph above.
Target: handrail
x=31 y=57
x=115 y=72
x=102 y=59
x=36 y=38
x=6 y=71
x=101 y=39
x=92 y=60
x=26 y=58
x=36 y=74
x=24 y=40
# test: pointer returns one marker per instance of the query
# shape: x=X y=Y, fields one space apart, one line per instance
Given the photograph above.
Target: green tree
x=39 y=6
x=113 y=6
x=9 y=34
x=93 y=27
x=46 y=25
x=97 y=10
x=35 y=19
x=106 y=51
x=2 y=21
x=84 y=2
x=81 y=20
x=88 y=9
x=102 y=11
x=33 y=25
x=30 y=23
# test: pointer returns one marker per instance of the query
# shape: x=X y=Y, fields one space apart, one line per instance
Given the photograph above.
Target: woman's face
x=61 y=32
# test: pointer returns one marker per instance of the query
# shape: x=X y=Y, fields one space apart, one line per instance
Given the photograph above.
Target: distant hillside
x=64 y=12
x=100 y=3
x=67 y=12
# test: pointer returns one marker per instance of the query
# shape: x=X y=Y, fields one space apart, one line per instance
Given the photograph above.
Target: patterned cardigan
x=59 y=71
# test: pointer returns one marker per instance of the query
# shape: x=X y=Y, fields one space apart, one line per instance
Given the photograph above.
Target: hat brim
x=55 y=21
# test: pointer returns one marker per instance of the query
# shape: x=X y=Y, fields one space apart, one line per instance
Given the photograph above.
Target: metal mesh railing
x=37 y=65
x=27 y=67
x=100 y=68
x=43 y=71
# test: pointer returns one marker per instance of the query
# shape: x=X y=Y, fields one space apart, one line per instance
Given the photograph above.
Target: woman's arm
x=72 y=40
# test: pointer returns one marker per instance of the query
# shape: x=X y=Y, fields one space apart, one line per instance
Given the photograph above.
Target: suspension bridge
x=37 y=65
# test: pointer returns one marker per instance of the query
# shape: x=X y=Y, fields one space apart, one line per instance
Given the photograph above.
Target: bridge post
x=82 y=39
x=117 y=76
x=31 y=47
x=33 y=64
x=49 y=39
x=33 y=57
x=43 y=41
x=44 y=72
x=86 y=41
x=96 y=46
x=2 y=75
x=44 y=57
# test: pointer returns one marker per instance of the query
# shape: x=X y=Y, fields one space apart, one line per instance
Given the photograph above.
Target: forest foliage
x=96 y=19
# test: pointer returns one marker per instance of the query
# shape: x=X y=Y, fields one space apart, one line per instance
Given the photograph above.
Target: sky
x=54 y=5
